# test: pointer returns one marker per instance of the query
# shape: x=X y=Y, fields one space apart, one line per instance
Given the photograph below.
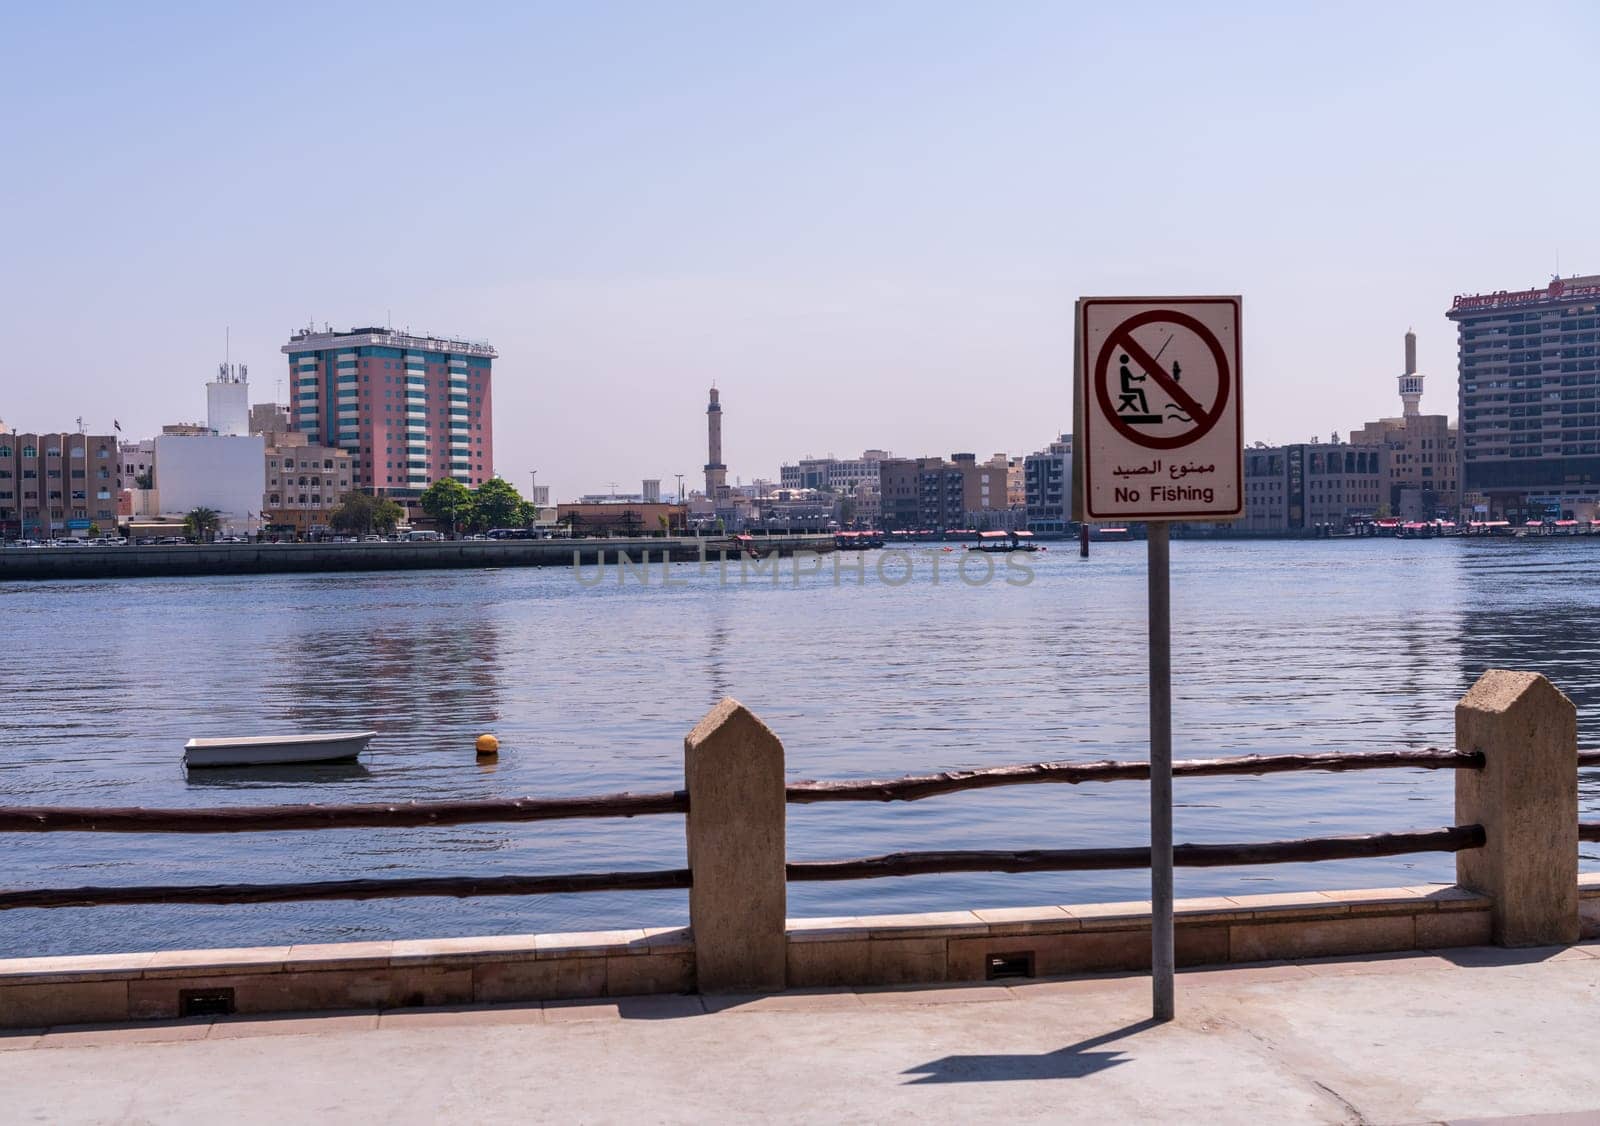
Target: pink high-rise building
x=410 y=409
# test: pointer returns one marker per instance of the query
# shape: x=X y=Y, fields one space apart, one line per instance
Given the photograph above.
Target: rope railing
x=1454 y=838
x=280 y=818
x=916 y=787
x=459 y=887
x=423 y=814
x=371 y=815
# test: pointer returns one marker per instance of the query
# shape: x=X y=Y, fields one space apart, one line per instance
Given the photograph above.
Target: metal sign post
x=1162 y=958
x=1158 y=437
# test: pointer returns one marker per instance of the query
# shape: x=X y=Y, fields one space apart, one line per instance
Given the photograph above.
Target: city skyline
x=867 y=227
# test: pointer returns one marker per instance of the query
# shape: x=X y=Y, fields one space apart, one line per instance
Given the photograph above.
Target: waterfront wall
x=27 y=564
x=1518 y=884
x=944 y=947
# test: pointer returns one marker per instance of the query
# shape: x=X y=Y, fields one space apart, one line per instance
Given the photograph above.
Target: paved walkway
x=1460 y=1035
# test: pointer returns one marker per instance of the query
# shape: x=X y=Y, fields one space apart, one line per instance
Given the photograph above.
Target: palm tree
x=202 y=523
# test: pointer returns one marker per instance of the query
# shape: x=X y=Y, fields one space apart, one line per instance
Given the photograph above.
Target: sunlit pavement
x=1458 y=1035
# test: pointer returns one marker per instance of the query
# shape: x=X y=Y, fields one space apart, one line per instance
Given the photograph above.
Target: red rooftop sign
x=1555 y=291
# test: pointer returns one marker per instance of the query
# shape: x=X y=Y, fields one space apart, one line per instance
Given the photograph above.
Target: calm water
x=1277 y=646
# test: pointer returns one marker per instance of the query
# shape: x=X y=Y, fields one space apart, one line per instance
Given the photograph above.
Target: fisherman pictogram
x=1133 y=407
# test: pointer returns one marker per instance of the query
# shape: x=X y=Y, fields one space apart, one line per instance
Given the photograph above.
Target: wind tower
x=1411 y=379
x=716 y=472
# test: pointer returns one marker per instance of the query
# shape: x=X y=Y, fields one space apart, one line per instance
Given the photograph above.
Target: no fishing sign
x=1158 y=409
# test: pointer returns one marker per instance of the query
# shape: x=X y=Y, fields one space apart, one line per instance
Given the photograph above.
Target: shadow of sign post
x=1075 y=1061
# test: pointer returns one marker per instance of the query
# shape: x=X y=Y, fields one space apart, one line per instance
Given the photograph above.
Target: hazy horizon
x=866 y=223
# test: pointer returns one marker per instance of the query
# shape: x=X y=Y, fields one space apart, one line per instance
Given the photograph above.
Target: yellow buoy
x=488 y=746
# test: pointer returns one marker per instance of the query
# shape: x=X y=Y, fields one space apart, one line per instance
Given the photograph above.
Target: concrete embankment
x=27 y=564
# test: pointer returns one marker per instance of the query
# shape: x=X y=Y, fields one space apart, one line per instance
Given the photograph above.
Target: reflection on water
x=1276 y=647
x=256 y=778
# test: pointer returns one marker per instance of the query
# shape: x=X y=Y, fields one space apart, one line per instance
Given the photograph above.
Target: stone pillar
x=1526 y=799
x=733 y=768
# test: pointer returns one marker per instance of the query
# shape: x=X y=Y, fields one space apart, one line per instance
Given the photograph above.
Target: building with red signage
x=1529 y=423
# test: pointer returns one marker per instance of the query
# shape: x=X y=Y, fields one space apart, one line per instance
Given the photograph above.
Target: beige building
x=270 y=419
x=54 y=485
x=863 y=506
x=304 y=483
x=930 y=493
x=1420 y=464
x=1311 y=488
x=135 y=460
x=623 y=518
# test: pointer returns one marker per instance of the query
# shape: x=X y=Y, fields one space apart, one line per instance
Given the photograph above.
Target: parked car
x=423 y=537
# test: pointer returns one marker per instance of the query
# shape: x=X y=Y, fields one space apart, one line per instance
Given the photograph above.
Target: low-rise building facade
x=57 y=484
x=1311 y=488
x=624 y=518
x=898 y=494
x=932 y=494
x=304 y=484
x=839 y=475
x=136 y=462
x=1047 y=487
x=223 y=472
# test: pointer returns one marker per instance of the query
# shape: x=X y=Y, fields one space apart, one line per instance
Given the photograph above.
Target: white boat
x=275 y=750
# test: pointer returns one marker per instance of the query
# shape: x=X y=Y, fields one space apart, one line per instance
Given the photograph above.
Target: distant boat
x=276 y=750
x=1004 y=541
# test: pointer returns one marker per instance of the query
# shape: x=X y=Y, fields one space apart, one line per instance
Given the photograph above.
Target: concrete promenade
x=1466 y=1034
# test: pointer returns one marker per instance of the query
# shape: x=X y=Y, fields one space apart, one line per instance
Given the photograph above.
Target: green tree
x=527 y=514
x=386 y=516
x=496 y=504
x=202 y=523
x=448 y=503
x=145 y=480
x=363 y=514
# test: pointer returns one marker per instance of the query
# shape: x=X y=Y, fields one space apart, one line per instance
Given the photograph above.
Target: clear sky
x=867 y=222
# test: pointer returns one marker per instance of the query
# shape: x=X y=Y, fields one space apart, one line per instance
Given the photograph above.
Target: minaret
x=716 y=472
x=1411 y=380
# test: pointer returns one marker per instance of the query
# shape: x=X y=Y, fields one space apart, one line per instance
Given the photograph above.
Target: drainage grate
x=205 y=1002
x=1011 y=965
